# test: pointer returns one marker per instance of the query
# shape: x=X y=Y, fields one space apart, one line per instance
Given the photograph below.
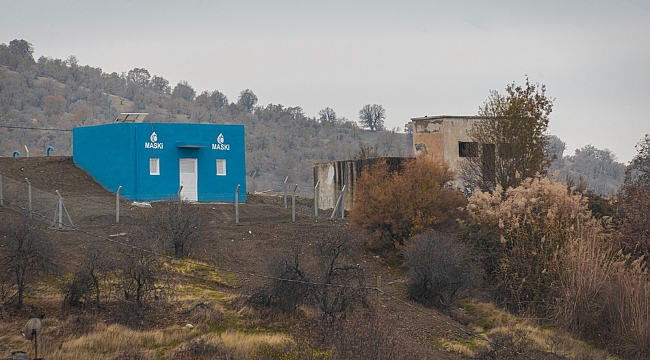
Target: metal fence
x=65 y=210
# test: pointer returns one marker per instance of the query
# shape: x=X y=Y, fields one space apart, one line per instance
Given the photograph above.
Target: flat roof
x=438 y=117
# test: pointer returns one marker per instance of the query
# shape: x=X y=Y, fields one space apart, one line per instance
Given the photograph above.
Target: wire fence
x=72 y=213
x=102 y=208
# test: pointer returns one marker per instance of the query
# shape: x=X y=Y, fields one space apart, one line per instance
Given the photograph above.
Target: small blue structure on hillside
x=151 y=161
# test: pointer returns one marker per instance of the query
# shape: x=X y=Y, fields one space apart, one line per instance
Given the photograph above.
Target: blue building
x=151 y=161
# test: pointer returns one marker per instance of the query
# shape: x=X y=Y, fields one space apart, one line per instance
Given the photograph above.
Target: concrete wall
x=333 y=175
x=438 y=137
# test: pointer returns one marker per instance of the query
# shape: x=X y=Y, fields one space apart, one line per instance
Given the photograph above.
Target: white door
x=189 y=180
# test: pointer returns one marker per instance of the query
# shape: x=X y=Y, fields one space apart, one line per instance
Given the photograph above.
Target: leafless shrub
x=439 y=267
x=77 y=292
x=332 y=284
x=510 y=345
x=139 y=271
x=362 y=335
x=176 y=226
x=342 y=277
x=85 y=286
x=287 y=294
x=26 y=254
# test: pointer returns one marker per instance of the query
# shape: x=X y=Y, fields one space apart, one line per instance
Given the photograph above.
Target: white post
x=29 y=197
x=293 y=204
x=237 y=204
x=338 y=201
x=285 y=191
x=343 y=202
x=179 y=192
x=316 y=199
x=117 y=205
x=26 y=150
x=2 y=198
x=60 y=210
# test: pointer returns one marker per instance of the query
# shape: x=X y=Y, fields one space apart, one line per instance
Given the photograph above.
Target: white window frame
x=154 y=166
x=223 y=161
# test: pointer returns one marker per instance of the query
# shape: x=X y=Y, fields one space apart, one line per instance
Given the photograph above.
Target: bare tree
x=372 y=117
x=176 y=226
x=85 y=285
x=327 y=116
x=25 y=255
x=139 y=269
x=337 y=264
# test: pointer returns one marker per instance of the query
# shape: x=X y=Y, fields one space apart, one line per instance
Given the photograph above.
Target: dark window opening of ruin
x=467 y=149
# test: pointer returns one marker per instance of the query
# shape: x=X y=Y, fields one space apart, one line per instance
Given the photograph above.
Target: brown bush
x=587 y=266
x=628 y=309
x=519 y=234
x=363 y=336
x=439 y=267
x=394 y=206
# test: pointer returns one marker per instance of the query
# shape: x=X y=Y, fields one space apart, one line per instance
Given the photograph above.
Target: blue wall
x=118 y=154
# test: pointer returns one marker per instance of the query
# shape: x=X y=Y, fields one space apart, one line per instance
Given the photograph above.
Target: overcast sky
x=415 y=58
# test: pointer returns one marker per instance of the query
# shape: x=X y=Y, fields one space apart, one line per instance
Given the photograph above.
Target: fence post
x=293 y=204
x=338 y=201
x=285 y=191
x=60 y=210
x=29 y=198
x=2 y=198
x=343 y=203
x=316 y=199
x=237 y=204
x=117 y=205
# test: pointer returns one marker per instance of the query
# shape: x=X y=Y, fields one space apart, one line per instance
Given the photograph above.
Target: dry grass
x=108 y=341
x=200 y=270
x=494 y=323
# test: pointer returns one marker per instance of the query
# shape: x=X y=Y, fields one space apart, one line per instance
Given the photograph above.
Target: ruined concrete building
x=439 y=137
x=444 y=138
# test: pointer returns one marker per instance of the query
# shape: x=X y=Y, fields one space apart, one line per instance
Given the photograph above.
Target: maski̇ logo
x=153 y=144
x=220 y=145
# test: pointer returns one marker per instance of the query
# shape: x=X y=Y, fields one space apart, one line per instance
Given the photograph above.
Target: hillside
x=58 y=95
x=229 y=264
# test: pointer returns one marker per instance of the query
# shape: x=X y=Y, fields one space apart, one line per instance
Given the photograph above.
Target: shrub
x=587 y=267
x=282 y=294
x=393 y=206
x=519 y=233
x=333 y=265
x=439 y=267
x=25 y=255
x=176 y=224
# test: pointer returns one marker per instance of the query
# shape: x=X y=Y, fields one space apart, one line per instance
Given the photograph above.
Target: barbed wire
x=268 y=277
